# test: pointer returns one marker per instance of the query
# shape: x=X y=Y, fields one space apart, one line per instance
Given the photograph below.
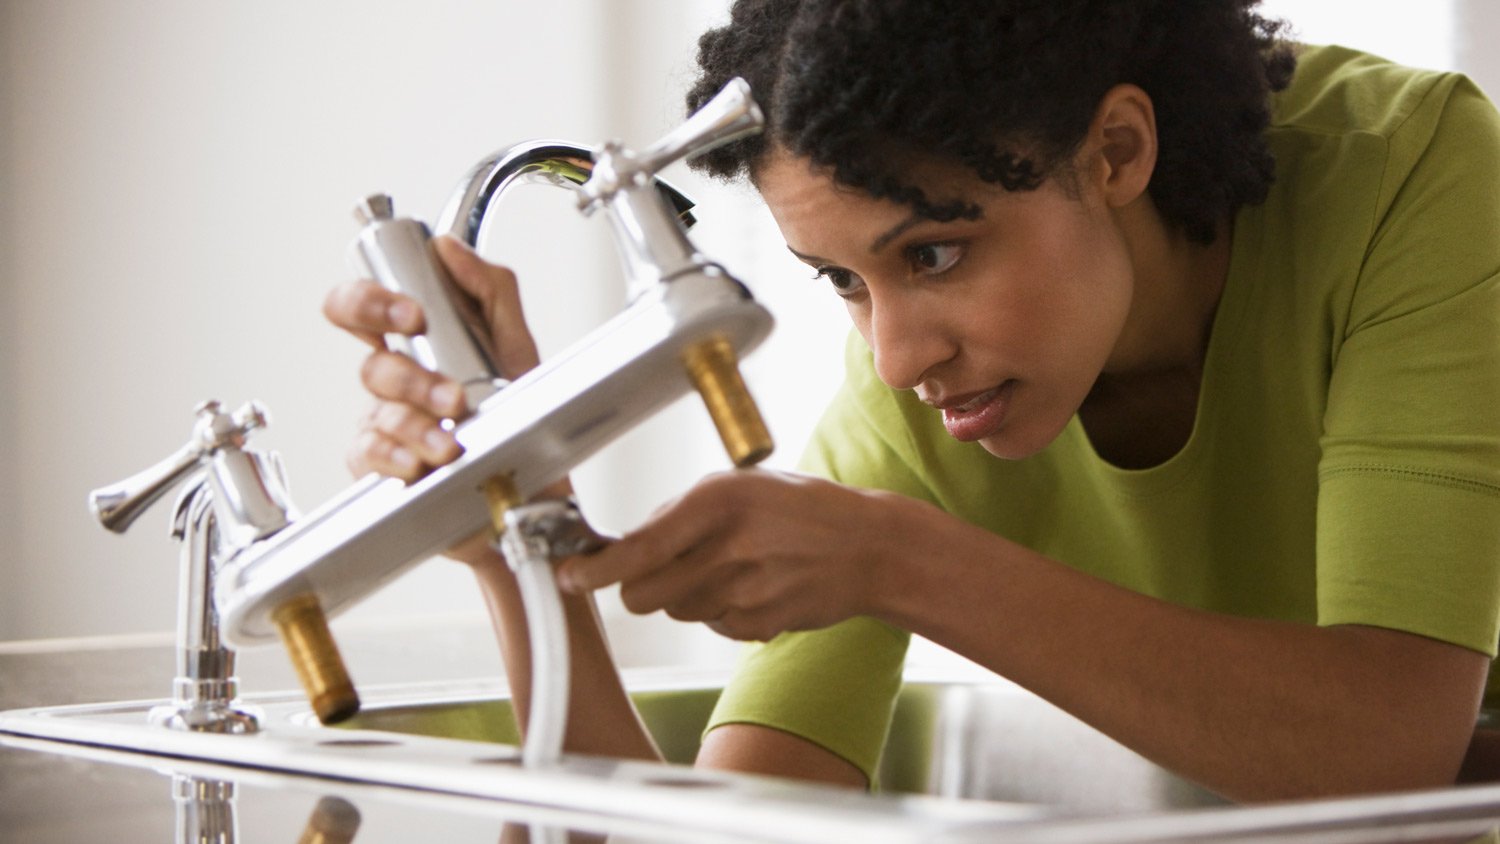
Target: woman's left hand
x=754 y=553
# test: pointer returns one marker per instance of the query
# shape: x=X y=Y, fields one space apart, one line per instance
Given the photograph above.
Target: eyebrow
x=879 y=243
x=895 y=232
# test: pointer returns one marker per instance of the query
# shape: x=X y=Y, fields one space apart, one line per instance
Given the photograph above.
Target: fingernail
x=404 y=459
x=447 y=397
x=567 y=581
x=403 y=315
x=440 y=441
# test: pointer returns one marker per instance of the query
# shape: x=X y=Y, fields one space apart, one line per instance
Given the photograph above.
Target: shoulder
x=1339 y=91
x=1384 y=173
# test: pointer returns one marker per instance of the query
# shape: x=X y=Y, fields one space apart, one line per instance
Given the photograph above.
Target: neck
x=1178 y=286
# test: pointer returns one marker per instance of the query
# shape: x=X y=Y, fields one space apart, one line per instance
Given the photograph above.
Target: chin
x=1020 y=444
x=1005 y=449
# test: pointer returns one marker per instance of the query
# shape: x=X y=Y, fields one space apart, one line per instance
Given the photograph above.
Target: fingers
x=627 y=559
x=701 y=523
x=394 y=377
x=693 y=587
x=499 y=295
x=749 y=552
x=369 y=311
x=401 y=441
x=404 y=436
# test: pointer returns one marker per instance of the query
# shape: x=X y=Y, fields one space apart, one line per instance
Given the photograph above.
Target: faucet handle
x=730 y=115
x=376 y=206
x=117 y=506
x=397 y=252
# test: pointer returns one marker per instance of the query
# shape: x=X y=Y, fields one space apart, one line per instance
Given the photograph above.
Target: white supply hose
x=547 y=628
x=536 y=535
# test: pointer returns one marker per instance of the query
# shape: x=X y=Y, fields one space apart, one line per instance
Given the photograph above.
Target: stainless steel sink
x=984 y=741
x=458 y=738
x=966 y=761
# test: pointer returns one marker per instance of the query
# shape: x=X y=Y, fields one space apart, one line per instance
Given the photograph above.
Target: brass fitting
x=712 y=366
x=501 y=494
x=304 y=632
x=333 y=821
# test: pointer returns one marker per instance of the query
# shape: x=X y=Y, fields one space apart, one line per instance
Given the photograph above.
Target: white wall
x=1476 y=30
x=177 y=181
x=1415 y=32
x=10 y=592
x=175 y=185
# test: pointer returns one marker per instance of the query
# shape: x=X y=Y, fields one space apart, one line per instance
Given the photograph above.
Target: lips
x=978 y=415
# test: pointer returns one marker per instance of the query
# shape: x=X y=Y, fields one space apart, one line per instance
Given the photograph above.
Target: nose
x=908 y=339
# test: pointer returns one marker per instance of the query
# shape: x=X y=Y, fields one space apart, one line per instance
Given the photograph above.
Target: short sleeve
x=1408 y=531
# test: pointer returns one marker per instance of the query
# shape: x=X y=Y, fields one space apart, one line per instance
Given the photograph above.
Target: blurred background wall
x=176 y=179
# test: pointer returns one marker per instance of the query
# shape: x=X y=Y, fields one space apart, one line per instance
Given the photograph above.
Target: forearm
x=1254 y=709
x=601 y=719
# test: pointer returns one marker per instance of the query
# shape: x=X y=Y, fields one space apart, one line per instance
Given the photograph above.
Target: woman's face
x=1003 y=323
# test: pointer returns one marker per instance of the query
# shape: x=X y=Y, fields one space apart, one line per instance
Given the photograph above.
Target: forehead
x=811 y=206
x=784 y=178
x=814 y=212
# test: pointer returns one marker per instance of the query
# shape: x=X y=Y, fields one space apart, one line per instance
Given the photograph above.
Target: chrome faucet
x=236 y=497
x=687 y=323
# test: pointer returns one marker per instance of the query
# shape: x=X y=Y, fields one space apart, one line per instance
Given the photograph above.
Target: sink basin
x=458 y=738
x=983 y=741
x=967 y=761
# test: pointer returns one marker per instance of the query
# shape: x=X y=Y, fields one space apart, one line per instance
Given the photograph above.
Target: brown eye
x=934 y=258
x=844 y=282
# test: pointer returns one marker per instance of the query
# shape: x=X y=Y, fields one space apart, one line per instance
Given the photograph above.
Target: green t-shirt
x=1344 y=465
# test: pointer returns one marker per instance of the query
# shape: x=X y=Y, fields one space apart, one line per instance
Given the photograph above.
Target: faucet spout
x=556 y=163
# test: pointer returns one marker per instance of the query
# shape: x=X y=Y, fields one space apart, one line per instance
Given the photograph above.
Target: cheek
x=1094 y=284
x=1073 y=308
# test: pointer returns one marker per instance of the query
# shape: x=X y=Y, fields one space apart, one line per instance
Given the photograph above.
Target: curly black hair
x=1007 y=88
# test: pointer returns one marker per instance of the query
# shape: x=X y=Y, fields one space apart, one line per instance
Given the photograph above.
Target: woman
x=1172 y=396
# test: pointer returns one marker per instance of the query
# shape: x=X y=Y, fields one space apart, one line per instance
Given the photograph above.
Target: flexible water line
x=536 y=535
x=546 y=626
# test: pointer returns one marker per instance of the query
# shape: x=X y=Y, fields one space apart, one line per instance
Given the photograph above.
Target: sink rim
x=725 y=803
x=715 y=801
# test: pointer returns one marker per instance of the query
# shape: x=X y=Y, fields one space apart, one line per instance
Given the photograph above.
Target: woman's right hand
x=403 y=435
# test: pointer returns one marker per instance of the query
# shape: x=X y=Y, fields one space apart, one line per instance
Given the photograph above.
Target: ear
x=1122 y=140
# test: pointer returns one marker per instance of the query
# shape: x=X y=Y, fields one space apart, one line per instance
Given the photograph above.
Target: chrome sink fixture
x=235 y=496
x=259 y=571
x=686 y=325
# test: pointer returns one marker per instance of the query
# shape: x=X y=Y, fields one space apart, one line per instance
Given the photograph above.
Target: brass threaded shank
x=315 y=656
x=501 y=494
x=333 y=821
x=715 y=371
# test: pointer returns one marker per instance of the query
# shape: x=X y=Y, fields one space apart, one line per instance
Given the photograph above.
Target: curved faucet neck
x=571 y=166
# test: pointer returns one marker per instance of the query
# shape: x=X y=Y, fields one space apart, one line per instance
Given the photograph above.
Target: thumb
x=495 y=288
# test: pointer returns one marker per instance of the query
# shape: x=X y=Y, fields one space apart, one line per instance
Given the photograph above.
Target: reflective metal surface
x=237 y=495
x=75 y=788
x=713 y=803
x=977 y=741
x=538 y=428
